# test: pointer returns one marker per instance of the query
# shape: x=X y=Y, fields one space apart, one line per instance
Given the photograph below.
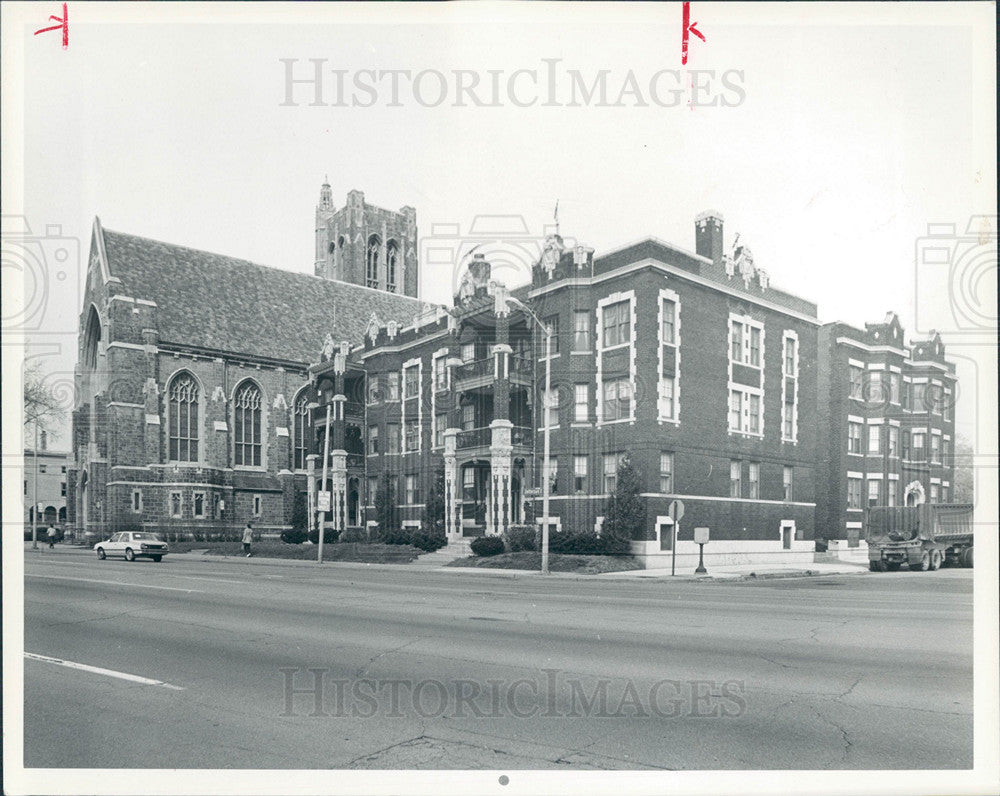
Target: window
x=946 y=451
x=392 y=438
x=468 y=417
x=875 y=388
x=412 y=491
x=440 y=426
x=874 y=491
x=918 y=446
x=874 y=439
x=391 y=261
x=136 y=501
x=854 y=493
x=175 y=504
x=43 y=468
x=611 y=471
x=906 y=445
x=668 y=331
x=199 y=505
x=890 y=493
x=856 y=376
x=617 y=324
x=580 y=473
x=736 y=341
x=754 y=480
x=788 y=418
x=553 y=471
x=935 y=449
x=257 y=506
x=617 y=399
x=373 y=396
x=935 y=496
x=919 y=396
x=893 y=441
x=945 y=494
x=372 y=440
x=735 y=479
x=787 y=482
x=551 y=401
x=392 y=386
x=745 y=412
x=933 y=397
x=946 y=409
x=468 y=352
x=411 y=381
x=754 y=346
x=182 y=411
x=412 y=437
x=247 y=425
x=62 y=489
x=63 y=469
x=301 y=420
x=372 y=487
x=735 y=410
x=440 y=374
x=790 y=369
x=371 y=261
x=854 y=437
x=553 y=322
x=581 y=330
x=667 y=392
x=894 y=388
x=666 y=472
x=581 y=403
x=907 y=396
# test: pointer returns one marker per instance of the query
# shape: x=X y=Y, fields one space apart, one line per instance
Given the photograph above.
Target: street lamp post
x=34 y=495
x=547 y=331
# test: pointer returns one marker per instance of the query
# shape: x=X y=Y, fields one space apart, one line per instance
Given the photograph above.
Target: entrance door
x=787 y=531
x=353 y=503
x=665 y=529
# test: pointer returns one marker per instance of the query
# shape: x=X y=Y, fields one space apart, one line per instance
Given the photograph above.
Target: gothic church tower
x=367 y=245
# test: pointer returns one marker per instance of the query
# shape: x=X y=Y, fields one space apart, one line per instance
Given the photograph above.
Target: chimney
x=480 y=270
x=708 y=235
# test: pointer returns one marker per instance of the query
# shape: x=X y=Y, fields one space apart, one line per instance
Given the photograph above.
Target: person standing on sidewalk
x=51 y=534
x=247 y=539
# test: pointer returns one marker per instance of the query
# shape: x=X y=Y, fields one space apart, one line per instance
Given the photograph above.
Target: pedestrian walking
x=247 y=539
x=51 y=534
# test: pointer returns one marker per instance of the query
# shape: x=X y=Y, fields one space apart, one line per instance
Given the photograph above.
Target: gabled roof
x=220 y=303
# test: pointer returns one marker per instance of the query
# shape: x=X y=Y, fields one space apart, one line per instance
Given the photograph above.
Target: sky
x=849 y=130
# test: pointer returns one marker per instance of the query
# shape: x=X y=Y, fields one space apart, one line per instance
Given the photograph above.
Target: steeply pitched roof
x=221 y=303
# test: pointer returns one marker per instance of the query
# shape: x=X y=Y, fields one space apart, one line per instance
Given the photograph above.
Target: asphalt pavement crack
x=360 y=672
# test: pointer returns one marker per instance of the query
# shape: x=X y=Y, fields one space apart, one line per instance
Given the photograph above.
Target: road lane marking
x=110 y=582
x=98 y=670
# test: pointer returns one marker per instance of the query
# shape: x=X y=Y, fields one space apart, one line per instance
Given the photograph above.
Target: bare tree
x=42 y=412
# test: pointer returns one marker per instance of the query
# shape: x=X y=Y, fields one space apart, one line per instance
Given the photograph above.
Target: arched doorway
x=353 y=502
x=914 y=495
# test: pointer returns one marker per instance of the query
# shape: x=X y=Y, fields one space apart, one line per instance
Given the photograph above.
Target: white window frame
x=735 y=478
x=584 y=404
x=180 y=504
x=753 y=481
x=669 y=411
x=578 y=472
x=746 y=324
x=667 y=458
x=791 y=337
x=615 y=298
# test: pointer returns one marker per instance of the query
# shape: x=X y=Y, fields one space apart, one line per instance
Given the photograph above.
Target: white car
x=132 y=545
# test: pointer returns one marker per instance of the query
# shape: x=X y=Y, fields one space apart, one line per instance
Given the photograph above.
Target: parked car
x=132 y=545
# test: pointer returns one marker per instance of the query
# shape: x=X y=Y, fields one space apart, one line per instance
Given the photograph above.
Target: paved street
x=422 y=669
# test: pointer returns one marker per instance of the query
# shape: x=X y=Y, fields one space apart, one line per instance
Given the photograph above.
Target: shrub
x=487 y=545
x=582 y=543
x=354 y=536
x=428 y=540
x=329 y=536
x=521 y=537
x=394 y=535
x=294 y=536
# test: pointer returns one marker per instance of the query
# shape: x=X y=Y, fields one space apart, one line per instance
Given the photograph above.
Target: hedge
x=487 y=545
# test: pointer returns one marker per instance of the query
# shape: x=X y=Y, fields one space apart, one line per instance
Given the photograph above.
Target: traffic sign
x=676 y=510
x=701 y=535
x=322 y=501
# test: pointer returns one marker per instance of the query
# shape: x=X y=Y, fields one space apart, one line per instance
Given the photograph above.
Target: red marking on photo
x=63 y=26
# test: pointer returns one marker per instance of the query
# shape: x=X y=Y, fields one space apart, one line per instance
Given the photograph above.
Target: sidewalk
x=727 y=573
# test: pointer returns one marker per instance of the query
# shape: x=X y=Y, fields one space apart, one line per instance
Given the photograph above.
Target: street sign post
x=701 y=538
x=676 y=511
x=322 y=501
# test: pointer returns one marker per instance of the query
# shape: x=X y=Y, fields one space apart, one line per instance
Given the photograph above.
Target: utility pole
x=326 y=462
x=34 y=496
x=545 y=446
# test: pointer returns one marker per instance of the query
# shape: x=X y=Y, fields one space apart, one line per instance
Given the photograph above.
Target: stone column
x=501 y=460
x=338 y=487
x=452 y=500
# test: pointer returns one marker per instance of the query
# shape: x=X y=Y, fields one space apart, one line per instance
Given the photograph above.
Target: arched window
x=371 y=261
x=92 y=340
x=247 y=426
x=391 y=260
x=182 y=414
x=301 y=423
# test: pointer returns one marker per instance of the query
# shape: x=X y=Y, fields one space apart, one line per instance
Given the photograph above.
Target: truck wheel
x=893 y=566
x=935 y=560
x=873 y=566
x=924 y=564
x=967 y=557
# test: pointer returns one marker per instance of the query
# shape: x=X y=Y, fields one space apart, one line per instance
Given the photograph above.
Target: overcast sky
x=851 y=129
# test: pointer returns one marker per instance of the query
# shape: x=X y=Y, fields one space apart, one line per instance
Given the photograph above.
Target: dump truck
x=923 y=537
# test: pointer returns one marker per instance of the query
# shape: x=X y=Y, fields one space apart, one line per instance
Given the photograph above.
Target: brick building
x=890 y=422
x=50 y=469
x=207 y=386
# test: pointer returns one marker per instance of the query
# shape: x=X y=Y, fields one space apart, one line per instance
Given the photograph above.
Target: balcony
x=474 y=374
x=354 y=410
x=522 y=371
x=355 y=461
x=521 y=438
